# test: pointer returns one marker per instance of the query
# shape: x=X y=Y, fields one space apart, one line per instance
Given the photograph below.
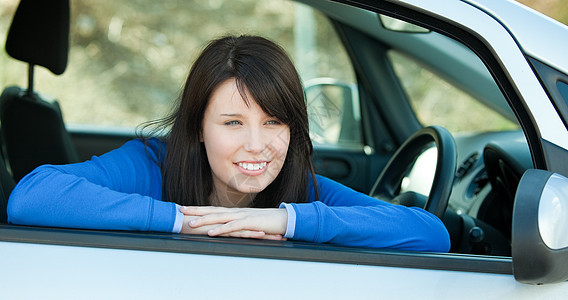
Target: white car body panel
x=63 y=272
x=533 y=35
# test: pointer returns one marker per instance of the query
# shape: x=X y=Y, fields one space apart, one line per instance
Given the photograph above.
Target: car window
x=126 y=65
x=563 y=88
x=438 y=102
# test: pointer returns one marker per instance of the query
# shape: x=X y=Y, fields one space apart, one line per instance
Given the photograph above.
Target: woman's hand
x=199 y=230
x=259 y=223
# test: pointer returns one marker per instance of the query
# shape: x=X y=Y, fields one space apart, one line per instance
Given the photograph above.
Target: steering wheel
x=388 y=183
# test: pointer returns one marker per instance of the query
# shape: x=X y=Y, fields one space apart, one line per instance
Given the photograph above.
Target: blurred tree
x=556 y=9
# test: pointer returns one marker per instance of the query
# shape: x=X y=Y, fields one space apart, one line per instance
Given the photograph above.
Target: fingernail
x=192 y=222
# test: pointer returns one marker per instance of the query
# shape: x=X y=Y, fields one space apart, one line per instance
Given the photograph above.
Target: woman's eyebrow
x=231 y=115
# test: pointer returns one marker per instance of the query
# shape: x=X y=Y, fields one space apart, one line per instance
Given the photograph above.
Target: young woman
x=235 y=162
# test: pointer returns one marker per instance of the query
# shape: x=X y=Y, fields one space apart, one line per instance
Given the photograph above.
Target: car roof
x=539 y=36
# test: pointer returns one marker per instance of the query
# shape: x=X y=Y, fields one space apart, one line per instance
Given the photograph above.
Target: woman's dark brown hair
x=263 y=69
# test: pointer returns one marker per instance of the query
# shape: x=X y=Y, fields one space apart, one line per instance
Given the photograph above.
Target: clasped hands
x=257 y=223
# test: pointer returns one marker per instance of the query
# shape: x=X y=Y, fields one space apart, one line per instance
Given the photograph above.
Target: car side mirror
x=540 y=228
x=333 y=111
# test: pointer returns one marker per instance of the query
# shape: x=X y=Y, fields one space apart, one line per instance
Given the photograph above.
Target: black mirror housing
x=539 y=232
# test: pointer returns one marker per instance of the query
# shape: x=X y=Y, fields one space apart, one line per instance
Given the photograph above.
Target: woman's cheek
x=282 y=142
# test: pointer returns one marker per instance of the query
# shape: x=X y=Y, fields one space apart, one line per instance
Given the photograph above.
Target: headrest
x=39 y=34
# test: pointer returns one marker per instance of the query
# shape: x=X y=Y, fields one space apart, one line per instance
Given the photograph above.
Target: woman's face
x=246 y=148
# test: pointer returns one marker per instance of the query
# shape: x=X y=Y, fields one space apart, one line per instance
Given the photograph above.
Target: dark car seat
x=32 y=128
x=6 y=185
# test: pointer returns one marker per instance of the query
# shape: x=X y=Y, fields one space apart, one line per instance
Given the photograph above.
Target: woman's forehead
x=228 y=99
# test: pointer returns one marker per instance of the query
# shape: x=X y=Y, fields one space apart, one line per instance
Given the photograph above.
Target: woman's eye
x=232 y=123
x=273 y=122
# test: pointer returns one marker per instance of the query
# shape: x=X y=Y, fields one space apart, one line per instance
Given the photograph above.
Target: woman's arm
x=347 y=217
x=118 y=190
x=343 y=216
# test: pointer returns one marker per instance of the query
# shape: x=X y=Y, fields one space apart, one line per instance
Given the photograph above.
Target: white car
x=382 y=78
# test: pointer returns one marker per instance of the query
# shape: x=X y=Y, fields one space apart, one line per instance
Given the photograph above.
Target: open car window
x=126 y=65
x=439 y=102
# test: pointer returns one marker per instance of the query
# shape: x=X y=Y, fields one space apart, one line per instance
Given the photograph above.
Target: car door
x=106 y=264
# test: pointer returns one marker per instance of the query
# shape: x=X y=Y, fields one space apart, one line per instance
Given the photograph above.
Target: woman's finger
x=254 y=235
x=251 y=234
x=236 y=225
x=198 y=230
x=214 y=218
x=203 y=210
x=274 y=237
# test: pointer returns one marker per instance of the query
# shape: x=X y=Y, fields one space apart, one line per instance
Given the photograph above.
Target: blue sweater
x=122 y=190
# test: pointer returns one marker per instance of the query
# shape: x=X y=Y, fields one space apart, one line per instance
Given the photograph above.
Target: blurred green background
x=556 y=9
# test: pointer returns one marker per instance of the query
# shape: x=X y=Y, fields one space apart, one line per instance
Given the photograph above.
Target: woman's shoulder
x=140 y=143
x=325 y=186
x=335 y=193
x=324 y=183
x=153 y=146
x=136 y=153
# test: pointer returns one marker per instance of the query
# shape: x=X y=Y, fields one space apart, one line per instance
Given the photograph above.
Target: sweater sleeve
x=346 y=217
x=119 y=190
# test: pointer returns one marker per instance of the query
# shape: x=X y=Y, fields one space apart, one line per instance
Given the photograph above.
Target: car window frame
x=282 y=250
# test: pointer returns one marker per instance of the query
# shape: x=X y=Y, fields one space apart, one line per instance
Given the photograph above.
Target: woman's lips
x=252 y=168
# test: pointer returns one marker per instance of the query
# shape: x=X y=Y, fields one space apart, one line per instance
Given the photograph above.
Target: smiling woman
x=237 y=158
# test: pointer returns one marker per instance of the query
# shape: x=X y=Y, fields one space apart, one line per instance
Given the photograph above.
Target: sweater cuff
x=178 y=221
x=163 y=216
x=308 y=221
x=291 y=225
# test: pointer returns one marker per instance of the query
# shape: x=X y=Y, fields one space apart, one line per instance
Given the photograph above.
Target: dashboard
x=479 y=214
x=490 y=166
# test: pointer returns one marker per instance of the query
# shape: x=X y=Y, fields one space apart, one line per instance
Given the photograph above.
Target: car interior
x=475 y=174
x=32 y=128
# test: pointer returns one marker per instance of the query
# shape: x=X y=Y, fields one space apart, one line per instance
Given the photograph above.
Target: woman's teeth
x=252 y=167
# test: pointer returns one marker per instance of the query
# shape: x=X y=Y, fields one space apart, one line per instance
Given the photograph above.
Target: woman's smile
x=253 y=166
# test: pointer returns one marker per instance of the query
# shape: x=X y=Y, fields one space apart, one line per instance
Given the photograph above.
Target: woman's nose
x=255 y=141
